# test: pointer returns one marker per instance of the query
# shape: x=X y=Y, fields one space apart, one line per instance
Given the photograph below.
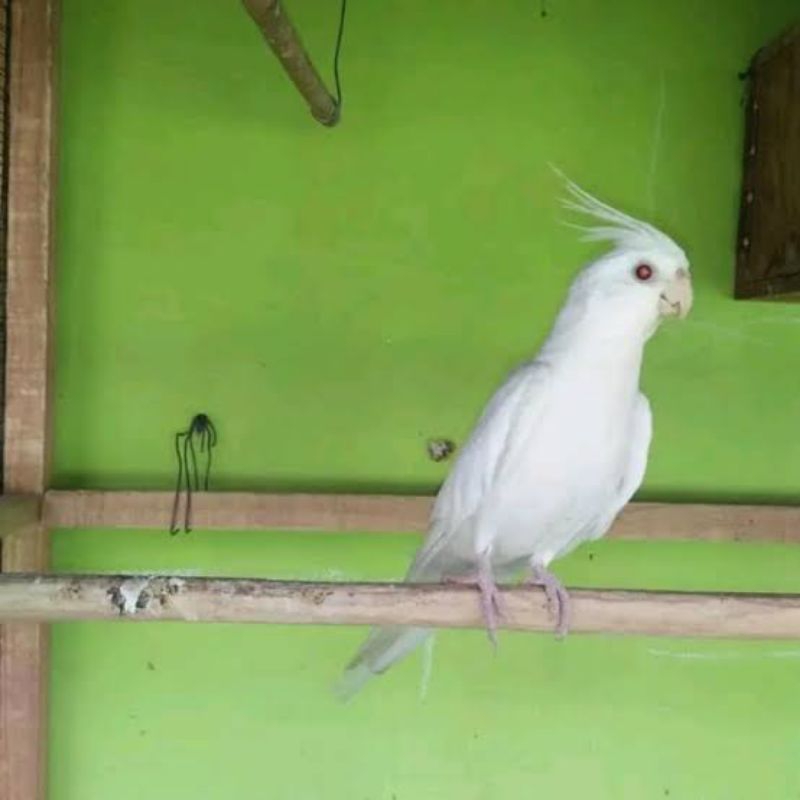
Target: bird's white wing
x=508 y=419
x=641 y=434
x=473 y=476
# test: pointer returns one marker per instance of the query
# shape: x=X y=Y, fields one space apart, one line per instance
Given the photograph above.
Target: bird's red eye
x=644 y=272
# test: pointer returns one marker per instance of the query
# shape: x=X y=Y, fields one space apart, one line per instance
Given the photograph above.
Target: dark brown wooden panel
x=768 y=245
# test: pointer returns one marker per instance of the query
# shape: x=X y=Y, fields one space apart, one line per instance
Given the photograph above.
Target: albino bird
x=562 y=445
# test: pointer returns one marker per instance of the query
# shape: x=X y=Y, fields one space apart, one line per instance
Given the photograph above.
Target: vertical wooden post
x=29 y=327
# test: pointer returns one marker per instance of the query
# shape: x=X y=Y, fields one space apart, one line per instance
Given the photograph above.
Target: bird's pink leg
x=491 y=604
x=557 y=597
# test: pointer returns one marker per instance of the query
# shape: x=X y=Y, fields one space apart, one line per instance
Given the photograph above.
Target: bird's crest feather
x=620 y=229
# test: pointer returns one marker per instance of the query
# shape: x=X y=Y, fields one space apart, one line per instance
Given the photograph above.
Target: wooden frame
x=29 y=597
x=768 y=239
x=29 y=326
x=394 y=513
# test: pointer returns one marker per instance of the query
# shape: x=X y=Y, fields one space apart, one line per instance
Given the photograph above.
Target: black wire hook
x=337 y=52
x=201 y=428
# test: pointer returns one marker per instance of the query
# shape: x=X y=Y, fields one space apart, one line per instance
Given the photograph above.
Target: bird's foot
x=557 y=598
x=491 y=600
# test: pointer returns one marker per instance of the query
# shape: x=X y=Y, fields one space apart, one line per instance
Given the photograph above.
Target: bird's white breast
x=566 y=471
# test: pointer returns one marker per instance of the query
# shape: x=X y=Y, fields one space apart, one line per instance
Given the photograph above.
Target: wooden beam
x=143 y=598
x=29 y=298
x=29 y=326
x=395 y=513
x=709 y=522
x=272 y=20
x=20 y=515
x=238 y=511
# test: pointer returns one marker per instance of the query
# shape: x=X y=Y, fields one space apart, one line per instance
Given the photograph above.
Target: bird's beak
x=676 y=299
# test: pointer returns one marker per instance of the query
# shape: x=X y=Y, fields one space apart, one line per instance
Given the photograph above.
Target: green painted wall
x=334 y=298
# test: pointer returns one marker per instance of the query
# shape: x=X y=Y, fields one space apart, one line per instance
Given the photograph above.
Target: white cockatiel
x=563 y=444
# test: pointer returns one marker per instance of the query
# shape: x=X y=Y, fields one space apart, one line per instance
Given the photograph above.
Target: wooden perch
x=395 y=513
x=138 y=597
x=281 y=36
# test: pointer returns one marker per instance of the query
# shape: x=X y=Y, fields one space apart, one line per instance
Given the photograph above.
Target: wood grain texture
x=4 y=31
x=143 y=598
x=29 y=300
x=238 y=511
x=30 y=246
x=20 y=515
x=277 y=29
x=390 y=513
x=768 y=246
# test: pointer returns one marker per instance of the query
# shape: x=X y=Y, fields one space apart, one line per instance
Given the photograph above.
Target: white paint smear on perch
x=130 y=593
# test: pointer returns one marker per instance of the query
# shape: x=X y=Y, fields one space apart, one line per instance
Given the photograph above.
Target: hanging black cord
x=188 y=447
x=189 y=450
x=336 y=53
x=173 y=525
x=188 y=472
x=209 y=441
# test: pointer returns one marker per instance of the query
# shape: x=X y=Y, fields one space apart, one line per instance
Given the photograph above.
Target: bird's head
x=646 y=274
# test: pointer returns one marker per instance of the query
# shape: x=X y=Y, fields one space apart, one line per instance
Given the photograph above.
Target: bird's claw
x=492 y=606
x=558 y=599
x=490 y=596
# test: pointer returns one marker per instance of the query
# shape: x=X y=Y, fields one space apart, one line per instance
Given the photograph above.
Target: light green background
x=332 y=298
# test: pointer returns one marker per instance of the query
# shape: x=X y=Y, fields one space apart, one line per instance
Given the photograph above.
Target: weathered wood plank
x=277 y=29
x=142 y=598
x=29 y=326
x=238 y=511
x=29 y=298
x=395 y=513
x=768 y=243
x=20 y=515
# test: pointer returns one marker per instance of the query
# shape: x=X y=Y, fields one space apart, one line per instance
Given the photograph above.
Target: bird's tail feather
x=383 y=647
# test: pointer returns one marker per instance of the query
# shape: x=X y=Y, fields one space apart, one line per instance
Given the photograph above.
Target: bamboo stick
x=272 y=20
x=142 y=598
